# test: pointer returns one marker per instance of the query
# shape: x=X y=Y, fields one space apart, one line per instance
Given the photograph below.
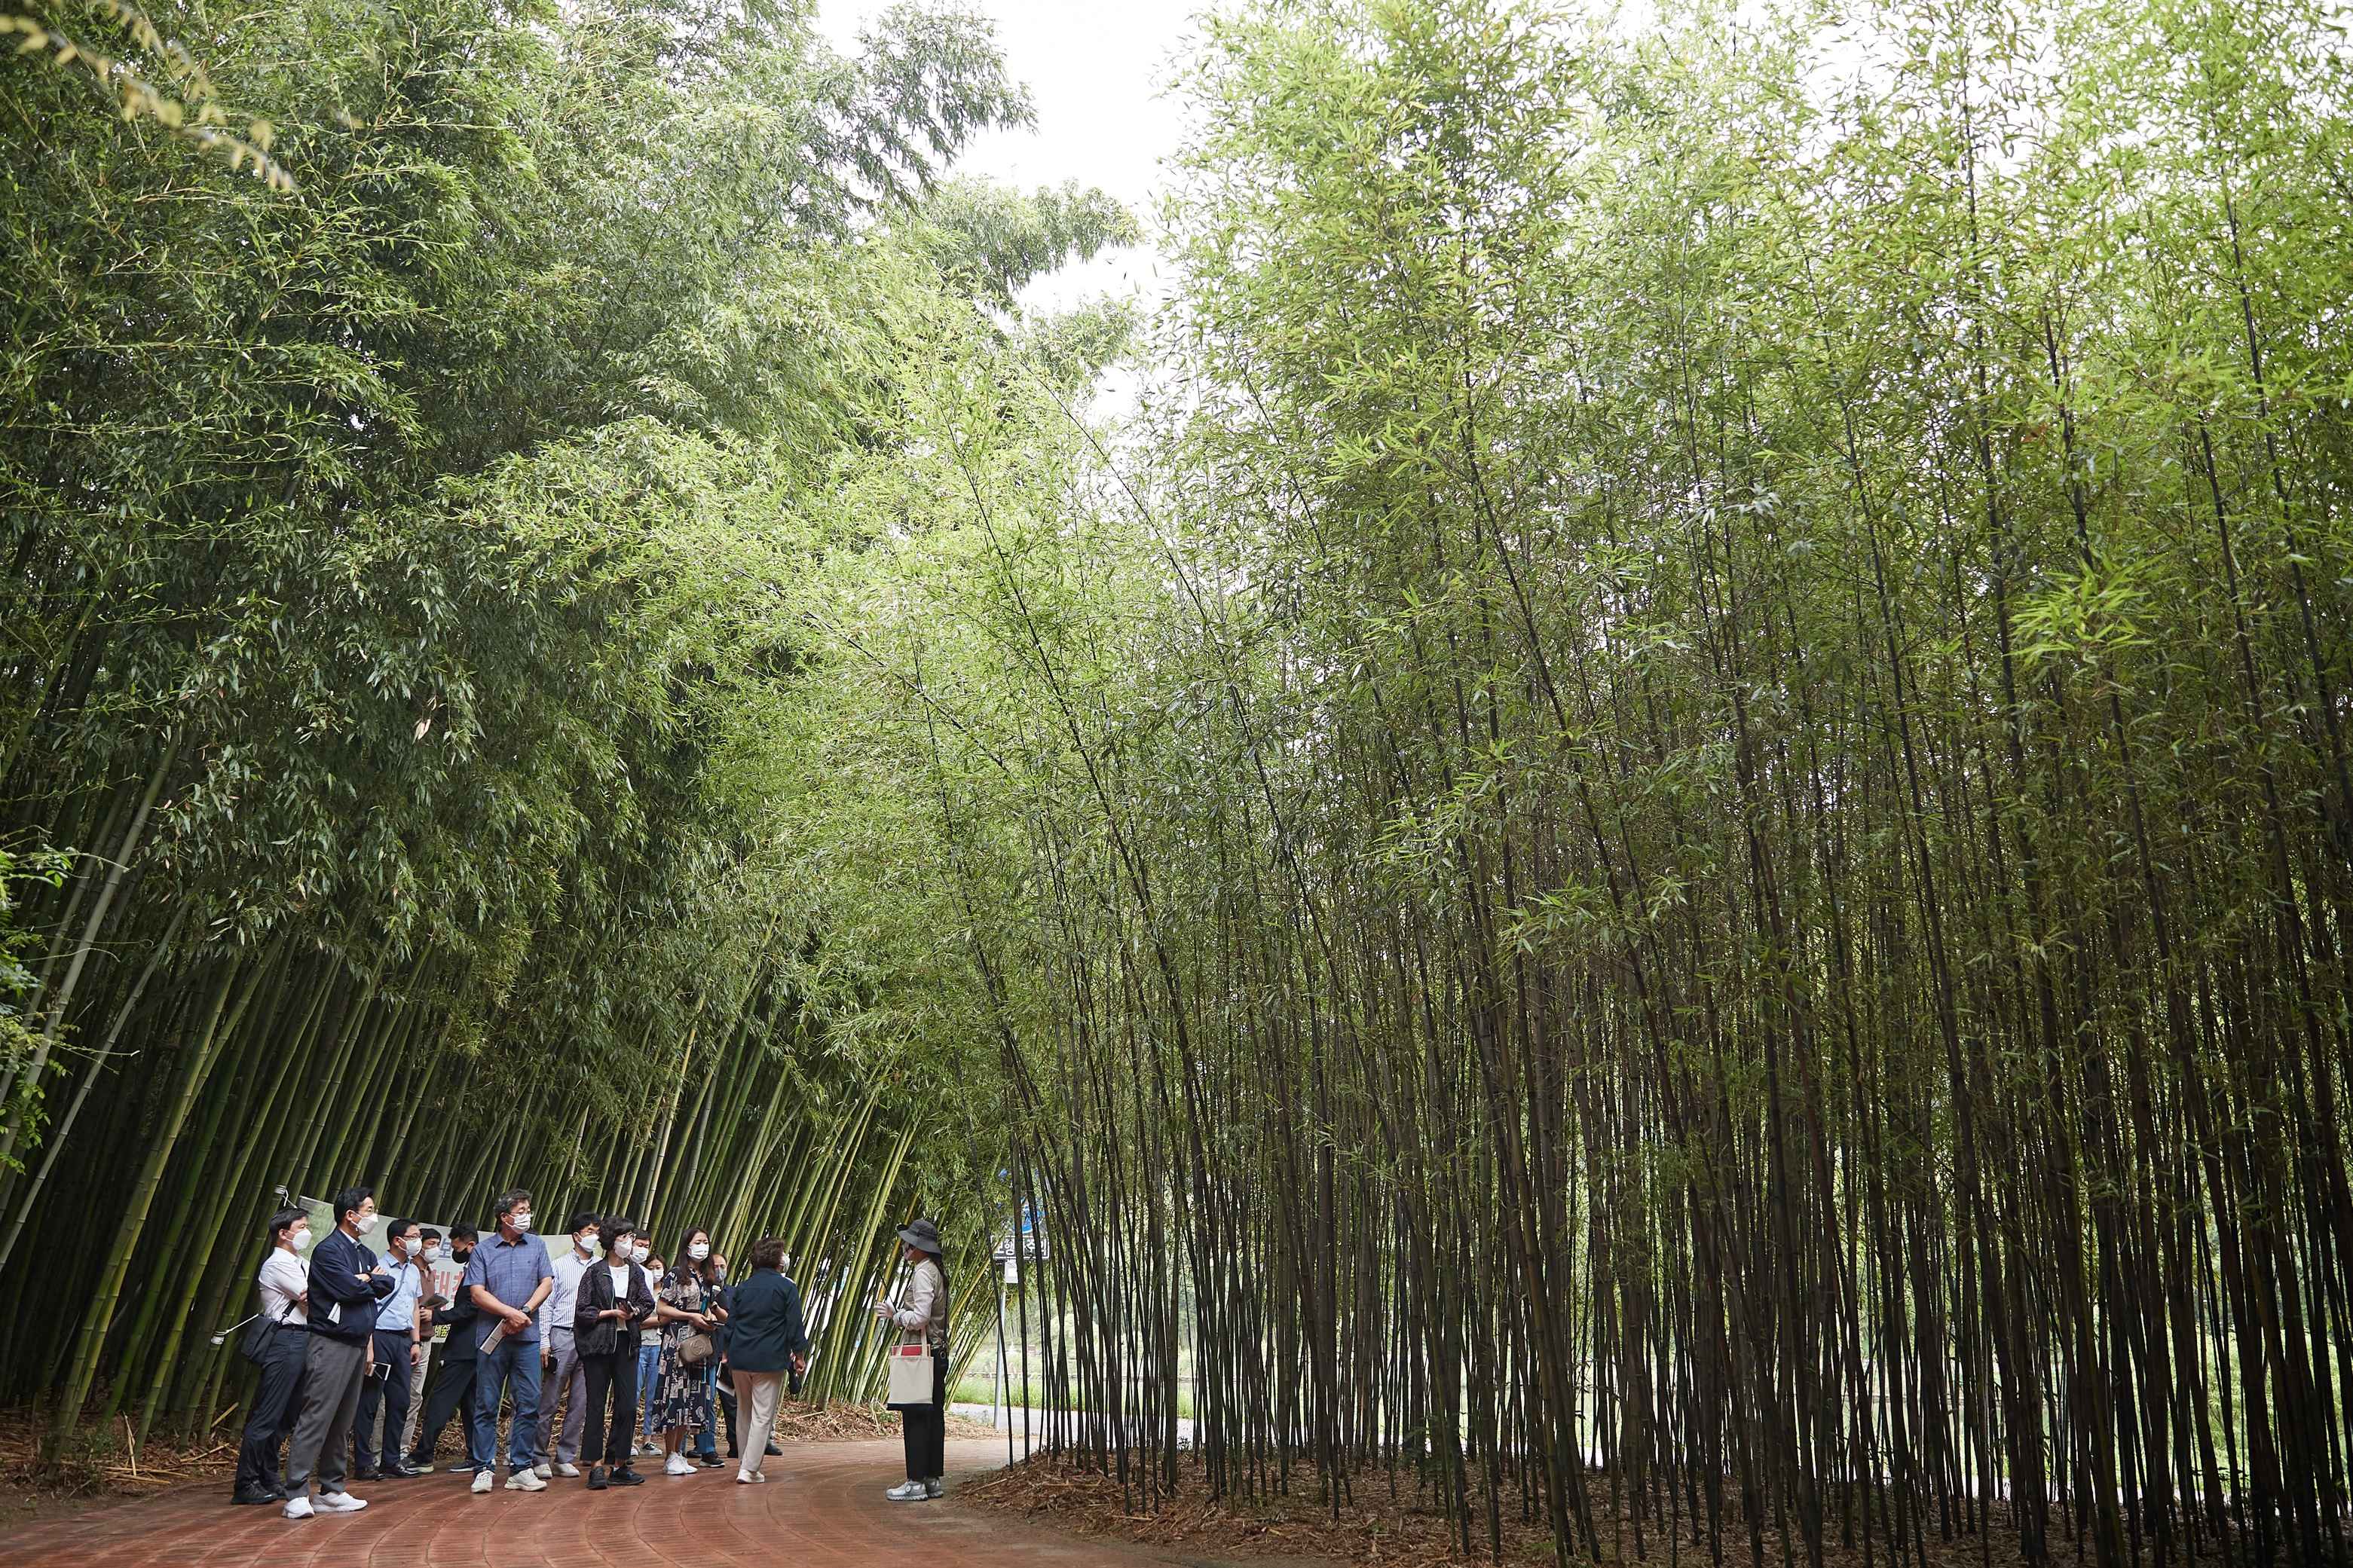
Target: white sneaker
x=907 y=1492
x=544 y=1473
x=484 y=1481
x=340 y=1502
x=676 y=1464
x=525 y=1481
x=297 y=1508
x=566 y=1468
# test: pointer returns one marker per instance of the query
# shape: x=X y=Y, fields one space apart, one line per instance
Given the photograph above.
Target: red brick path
x=823 y=1505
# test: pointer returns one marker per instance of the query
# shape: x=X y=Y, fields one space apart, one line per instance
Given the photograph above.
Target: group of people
x=347 y=1331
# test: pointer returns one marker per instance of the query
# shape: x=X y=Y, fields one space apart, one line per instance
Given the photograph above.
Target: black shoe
x=597 y=1482
x=773 y=1448
x=254 y=1497
x=369 y=1474
x=407 y=1471
x=623 y=1476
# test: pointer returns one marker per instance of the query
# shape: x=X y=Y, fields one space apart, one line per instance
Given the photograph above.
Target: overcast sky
x=1095 y=69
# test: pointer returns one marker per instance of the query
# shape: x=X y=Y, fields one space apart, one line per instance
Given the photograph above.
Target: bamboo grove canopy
x=401 y=623
x=1663 y=842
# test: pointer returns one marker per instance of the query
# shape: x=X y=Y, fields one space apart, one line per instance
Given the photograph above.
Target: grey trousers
x=563 y=1379
x=322 y=1433
x=415 y=1405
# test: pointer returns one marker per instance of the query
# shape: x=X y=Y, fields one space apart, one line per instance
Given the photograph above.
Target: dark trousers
x=515 y=1366
x=449 y=1390
x=706 y=1442
x=726 y=1405
x=384 y=1395
x=925 y=1427
x=611 y=1377
x=275 y=1397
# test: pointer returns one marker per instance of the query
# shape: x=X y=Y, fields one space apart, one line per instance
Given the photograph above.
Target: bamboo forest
x=1640 y=822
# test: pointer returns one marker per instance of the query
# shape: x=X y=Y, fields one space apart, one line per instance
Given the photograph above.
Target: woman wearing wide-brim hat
x=922 y=1316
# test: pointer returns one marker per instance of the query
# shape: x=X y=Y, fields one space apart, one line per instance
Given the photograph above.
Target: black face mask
x=460 y=1254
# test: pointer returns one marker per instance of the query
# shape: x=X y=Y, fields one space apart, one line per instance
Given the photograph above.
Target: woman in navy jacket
x=765 y=1335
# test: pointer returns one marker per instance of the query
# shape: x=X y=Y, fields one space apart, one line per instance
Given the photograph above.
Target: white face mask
x=366 y=1222
x=432 y=1251
x=641 y=1252
x=301 y=1238
x=699 y=1251
x=587 y=1242
x=521 y=1222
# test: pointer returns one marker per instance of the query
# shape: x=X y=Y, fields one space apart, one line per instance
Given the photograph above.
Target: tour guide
x=508 y=1278
x=922 y=1319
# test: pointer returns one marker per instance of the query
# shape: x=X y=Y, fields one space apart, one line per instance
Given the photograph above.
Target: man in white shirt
x=284 y=1284
x=565 y=1379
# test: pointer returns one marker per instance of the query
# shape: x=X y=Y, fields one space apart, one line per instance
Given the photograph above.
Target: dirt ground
x=1375 y=1528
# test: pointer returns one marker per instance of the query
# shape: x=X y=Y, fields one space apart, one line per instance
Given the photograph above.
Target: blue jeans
x=512 y=1367
x=648 y=1375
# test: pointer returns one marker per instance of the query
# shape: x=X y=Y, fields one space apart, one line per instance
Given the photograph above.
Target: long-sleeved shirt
x=555 y=1313
x=344 y=1287
x=922 y=1312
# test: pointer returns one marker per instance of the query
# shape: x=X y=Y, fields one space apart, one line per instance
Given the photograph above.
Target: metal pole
x=1000 y=1357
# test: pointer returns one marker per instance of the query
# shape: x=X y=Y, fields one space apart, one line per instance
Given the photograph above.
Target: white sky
x=1096 y=70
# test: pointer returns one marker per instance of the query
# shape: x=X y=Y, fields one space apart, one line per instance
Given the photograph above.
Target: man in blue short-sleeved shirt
x=506 y=1278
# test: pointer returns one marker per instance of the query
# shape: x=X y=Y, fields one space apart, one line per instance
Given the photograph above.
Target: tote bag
x=911 y=1375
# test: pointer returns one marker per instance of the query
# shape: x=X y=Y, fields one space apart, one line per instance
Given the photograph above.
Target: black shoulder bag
x=260 y=1336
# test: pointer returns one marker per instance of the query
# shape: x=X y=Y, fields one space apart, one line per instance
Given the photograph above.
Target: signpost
x=1024 y=1238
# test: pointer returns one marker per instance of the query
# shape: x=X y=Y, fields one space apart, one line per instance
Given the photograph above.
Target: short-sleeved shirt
x=510 y=1271
x=283 y=1279
x=396 y=1313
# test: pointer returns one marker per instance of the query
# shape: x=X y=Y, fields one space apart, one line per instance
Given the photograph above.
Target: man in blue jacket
x=346 y=1283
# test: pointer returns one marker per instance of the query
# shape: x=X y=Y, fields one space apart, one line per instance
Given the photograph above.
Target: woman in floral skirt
x=682 y=1403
